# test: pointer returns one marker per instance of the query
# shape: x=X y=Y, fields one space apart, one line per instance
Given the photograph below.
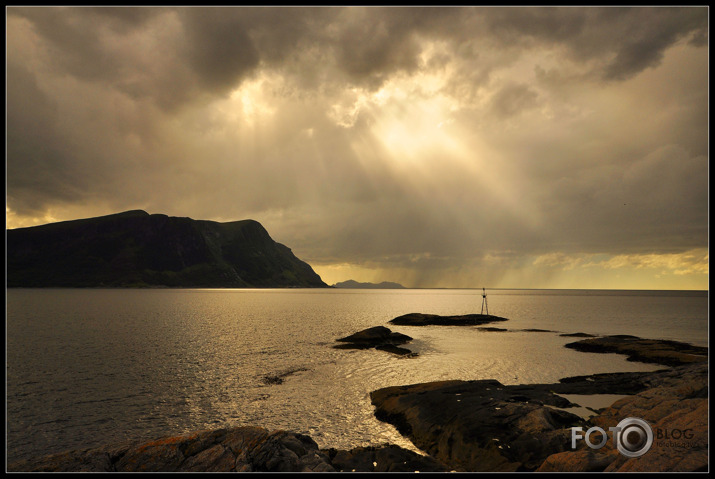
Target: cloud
x=211 y=50
x=218 y=48
x=620 y=42
x=648 y=34
x=41 y=169
x=512 y=100
x=433 y=142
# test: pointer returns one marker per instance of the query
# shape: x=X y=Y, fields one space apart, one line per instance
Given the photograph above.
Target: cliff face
x=136 y=249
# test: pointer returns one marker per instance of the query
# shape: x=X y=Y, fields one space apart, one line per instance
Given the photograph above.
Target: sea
x=89 y=367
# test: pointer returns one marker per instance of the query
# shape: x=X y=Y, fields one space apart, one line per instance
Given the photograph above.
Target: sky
x=515 y=147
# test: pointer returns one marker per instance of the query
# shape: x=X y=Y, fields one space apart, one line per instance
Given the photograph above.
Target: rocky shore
x=487 y=426
x=239 y=449
x=669 y=353
x=675 y=405
x=479 y=425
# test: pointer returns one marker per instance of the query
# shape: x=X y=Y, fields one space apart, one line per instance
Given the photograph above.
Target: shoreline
x=540 y=416
x=483 y=425
x=457 y=425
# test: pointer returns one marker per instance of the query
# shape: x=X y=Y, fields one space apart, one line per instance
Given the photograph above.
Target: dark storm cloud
x=373 y=43
x=219 y=47
x=39 y=169
x=75 y=36
x=624 y=41
x=657 y=203
x=648 y=33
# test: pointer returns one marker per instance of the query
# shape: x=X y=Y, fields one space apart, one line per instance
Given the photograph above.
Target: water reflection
x=87 y=367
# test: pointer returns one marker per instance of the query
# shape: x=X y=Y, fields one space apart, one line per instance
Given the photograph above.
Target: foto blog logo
x=633 y=437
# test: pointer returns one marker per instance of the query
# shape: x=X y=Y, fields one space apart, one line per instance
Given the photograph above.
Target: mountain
x=354 y=284
x=136 y=249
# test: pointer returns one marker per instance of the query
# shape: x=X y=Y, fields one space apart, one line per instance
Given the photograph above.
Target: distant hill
x=136 y=249
x=354 y=284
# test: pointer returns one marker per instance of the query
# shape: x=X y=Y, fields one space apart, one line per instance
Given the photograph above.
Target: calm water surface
x=90 y=367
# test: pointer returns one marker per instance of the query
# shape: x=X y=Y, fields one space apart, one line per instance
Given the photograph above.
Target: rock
x=604 y=383
x=375 y=336
x=238 y=449
x=92 y=460
x=233 y=449
x=584 y=460
x=668 y=353
x=578 y=335
x=420 y=319
x=387 y=458
x=492 y=329
x=675 y=403
x=486 y=426
x=479 y=425
x=378 y=337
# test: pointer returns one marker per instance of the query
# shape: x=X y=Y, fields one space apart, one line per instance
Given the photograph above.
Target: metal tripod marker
x=484 y=301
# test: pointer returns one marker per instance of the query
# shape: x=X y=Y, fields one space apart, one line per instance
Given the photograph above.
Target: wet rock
x=577 y=335
x=378 y=337
x=421 y=319
x=492 y=329
x=668 y=353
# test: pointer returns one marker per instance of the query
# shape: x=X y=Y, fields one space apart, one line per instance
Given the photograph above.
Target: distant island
x=136 y=249
x=356 y=285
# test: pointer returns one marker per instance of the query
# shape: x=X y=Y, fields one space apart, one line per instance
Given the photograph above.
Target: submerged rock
x=421 y=319
x=271 y=379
